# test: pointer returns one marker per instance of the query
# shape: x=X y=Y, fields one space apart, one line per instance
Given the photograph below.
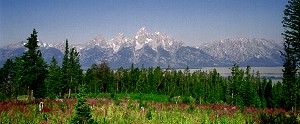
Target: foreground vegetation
x=130 y=108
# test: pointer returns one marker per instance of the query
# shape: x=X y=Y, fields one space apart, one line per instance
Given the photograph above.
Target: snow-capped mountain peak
x=237 y=50
x=142 y=38
x=141 y=32
x=155 y=40
x=97 y=41
x=120 y=41
x=159 y=49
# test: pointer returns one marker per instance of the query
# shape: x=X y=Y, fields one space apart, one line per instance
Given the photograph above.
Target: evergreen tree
x=65 y=68
x=83 y=110
x=245 y=91
x=133 y=77
x=278 y=94
x=54 y=80
x=268 y=94
x=187 y=79
x=75 y=71
x=118 y=76
x=157 y=76
x=263 y=94
x=90 y=80
x=151 y=88
x=19 y=87
x=235 y=81
x=291 y=54
x=125 y=82
x=34 y=68
x=111 y=82
x=72 y=74
x=167 y=79
x=141 y=83
x=103 y=74
x=7 y=83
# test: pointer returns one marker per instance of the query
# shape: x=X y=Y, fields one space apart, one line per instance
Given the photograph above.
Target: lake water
x=273 y=73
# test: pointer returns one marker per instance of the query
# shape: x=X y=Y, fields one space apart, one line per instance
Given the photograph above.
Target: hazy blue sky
x=191 y=21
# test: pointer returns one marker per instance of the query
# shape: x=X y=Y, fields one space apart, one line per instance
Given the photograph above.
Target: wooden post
x=28 y=94
x=69 y=93
x=31 y=94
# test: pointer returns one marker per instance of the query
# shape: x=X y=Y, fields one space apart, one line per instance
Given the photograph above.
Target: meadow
x=141 y=108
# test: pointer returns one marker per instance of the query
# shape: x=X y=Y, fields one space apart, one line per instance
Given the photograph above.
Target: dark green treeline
x=243 y=87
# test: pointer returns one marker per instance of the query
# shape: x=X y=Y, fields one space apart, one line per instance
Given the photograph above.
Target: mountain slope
x=158 y=49
x=244 y=51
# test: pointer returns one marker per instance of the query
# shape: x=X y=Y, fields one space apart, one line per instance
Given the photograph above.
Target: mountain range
x=159 y=49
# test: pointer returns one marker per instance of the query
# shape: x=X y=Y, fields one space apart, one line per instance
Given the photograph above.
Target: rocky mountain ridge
x=159 y=49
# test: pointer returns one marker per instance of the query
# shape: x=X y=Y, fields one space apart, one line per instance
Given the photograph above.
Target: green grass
x=23 y=97
x=140 y=108
x=133 y=96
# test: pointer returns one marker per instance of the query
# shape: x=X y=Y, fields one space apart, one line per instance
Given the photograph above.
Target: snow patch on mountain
x=238 y=50
x=158 y=49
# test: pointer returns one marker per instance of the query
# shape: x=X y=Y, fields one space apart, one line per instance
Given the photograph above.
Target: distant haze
x=193 y=22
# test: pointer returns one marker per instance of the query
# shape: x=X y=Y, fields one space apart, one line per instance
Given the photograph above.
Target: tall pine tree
x=291 y=34
x=103 y=74
x=34 y=68
x=72 y=74
x=54 y=80
x=7 y=75
x=75 y=71
x=65 y=68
